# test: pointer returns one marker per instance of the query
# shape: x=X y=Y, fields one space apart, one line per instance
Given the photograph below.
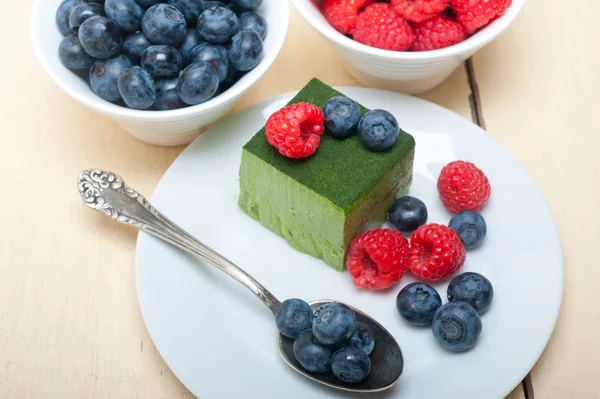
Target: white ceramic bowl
x=169 y=128
x=408 y=72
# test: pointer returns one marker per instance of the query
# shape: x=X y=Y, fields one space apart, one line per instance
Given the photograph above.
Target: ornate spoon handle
x=108 y=193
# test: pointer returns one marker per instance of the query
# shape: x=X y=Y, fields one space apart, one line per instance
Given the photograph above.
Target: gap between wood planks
x=477 y=116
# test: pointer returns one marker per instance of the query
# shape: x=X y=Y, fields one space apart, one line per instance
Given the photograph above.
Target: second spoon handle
x=108 y=193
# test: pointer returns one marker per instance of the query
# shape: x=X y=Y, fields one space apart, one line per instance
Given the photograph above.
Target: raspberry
x=296 y=130
x=473 y=14
x=379 y=26
x=377 y=259
x=463 y=187
x=436 y=252
x=501 y=11
x=341 y=14
x=419 y=10
x=437 y=32
x=502 y=6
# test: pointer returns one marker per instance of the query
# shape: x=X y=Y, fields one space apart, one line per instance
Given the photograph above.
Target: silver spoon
x=106 y=192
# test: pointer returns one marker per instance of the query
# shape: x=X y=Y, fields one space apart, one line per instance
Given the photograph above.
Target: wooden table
x=70 y=325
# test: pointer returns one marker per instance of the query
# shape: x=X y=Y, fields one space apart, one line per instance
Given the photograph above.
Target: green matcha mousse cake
x=319 y=204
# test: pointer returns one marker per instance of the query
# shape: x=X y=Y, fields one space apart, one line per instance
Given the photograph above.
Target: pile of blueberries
x=161 y=54
x=457 y=324
x=328 y=339
x=378 y=129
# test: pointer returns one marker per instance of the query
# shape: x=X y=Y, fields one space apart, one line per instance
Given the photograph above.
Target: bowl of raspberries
x=161 y=69
x=409 y=46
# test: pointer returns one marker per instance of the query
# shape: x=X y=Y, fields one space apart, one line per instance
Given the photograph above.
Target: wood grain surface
x=70 y=325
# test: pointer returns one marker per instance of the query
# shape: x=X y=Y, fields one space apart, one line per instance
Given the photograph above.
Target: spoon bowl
x=106 y=192
x=386 y=359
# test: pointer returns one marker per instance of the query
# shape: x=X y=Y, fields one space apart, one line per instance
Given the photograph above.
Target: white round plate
x=220 y=340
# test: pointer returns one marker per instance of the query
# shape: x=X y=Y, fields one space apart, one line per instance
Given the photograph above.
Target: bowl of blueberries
x=161 y=69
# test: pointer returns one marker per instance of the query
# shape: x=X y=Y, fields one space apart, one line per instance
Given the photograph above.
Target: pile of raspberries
x=411 y=25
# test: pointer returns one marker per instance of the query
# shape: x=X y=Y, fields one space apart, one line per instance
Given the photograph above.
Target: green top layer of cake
x=327 y=172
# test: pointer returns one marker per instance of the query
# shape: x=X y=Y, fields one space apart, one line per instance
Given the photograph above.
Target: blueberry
x=456 y=326
x=72 y=55
x=218 y=24
x=470 y=227
x=100 y=37
x=166 y=95
x=248 y=5
x=417 y=303
x=254 y=21
x=233 y=75
x=134 y=46
x=148 y=3
x=378 y=130
x=164 y=24
x=333 y=324
x=63 y=13
x=472 y=288
x=312 y=355
x=192 y=39
x=351 y=364
x=210 y=4
x=82 y=12
x=162 y=61
x=246 y=50
x=293 y=316
x=137 y=88
x=215 y=55
x=362 y=337
x=198 y=83
x=191 y=9
x=104 y=77
x=407 y=214
x=341 y=116
x=126 y=13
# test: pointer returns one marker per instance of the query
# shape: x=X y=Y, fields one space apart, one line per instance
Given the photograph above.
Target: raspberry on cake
x=379 y=26
x=295 y=130
x=419 y=10
x=320 y=203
